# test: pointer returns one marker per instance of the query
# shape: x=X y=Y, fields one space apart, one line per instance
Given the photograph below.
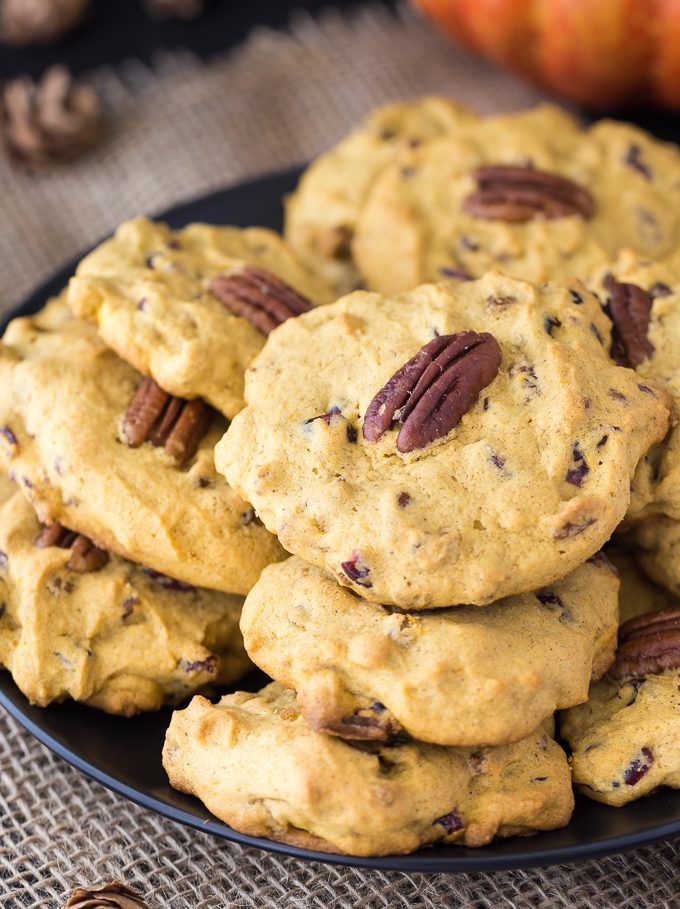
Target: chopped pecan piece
x=260 y=297
x=648 y=644
x=374 y=723
x=630 y=309
x=514 y=193
x=166 y=421
x=434 y=389
x=85 y=556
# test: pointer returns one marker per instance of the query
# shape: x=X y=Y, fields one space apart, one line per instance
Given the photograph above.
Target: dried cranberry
x=638 y=768
x=550 y=323
x=9 y=435
x=165 y=581
x=498 y=460
x=635 y=160
x=326 y=417
x=356 y=571
x=451 y=822
x=456 y=271
x=576 y=474
x=209 y=664
x=403 y=499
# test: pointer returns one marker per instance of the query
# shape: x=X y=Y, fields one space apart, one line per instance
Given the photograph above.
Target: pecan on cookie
x=166 y=421
x=85 y=555
x=630 y=309
x=434 y=389
x=260 y=297
x=513 y=193
x=648 y=644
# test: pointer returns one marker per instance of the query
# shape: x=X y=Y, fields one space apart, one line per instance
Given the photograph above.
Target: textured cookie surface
x=62 y=401
x=460 y=676
x=114 y=637
x=148 y=289
x=656 y=542
x=624 y=740
x=425 y=218
x=255 y=763
x=321 y=214
x=530 y=483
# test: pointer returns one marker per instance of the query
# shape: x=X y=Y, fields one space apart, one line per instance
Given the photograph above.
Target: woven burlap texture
x=178 y=130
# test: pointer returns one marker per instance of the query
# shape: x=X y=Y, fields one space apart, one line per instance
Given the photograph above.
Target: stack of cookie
x=412 y=485
x=445 y=462
x=125 y=556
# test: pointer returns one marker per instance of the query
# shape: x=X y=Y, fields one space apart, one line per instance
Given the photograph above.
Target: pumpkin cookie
x=255 y=762
x=529 y=193
x=71 y=412
x=77 y=622
x=624 y=740
x=182 y=306
x=517 y=439
x=643 y=301
x=321 y=214
x=459 y=676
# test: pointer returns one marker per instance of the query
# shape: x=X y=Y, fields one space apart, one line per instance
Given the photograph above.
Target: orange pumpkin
x=598 y=53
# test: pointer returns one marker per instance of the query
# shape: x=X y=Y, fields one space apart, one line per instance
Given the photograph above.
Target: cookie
x=529 y=193
x=321 y=214
x=624 y=740
x=152 y=294
x=64 y=414
x=77 y=622
x=528 y=484
x=656 y=542
x=637 y=593
x=459 y=676
x=254 y=761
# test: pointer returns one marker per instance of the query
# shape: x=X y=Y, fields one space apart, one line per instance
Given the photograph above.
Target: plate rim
x=424 y=860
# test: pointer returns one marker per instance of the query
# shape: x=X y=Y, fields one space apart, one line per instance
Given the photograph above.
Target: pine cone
x=39 y=21
x=53 y=120
x=160 y=10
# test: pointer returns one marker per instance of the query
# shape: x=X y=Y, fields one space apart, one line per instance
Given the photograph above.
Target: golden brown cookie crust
x=530 y=483
x=460 y=676
x=114 y=638
x=255 y=763
x=148 y=291
x=416 y=223
x=61 y=406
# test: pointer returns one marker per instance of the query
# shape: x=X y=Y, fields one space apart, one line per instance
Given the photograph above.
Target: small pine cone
x=159 y=10
x=39 y=21
x=53 y=120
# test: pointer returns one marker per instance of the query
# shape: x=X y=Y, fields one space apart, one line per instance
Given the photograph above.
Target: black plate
x=125 y=754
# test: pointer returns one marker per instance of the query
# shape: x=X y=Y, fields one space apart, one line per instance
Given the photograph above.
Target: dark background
x=119 y=29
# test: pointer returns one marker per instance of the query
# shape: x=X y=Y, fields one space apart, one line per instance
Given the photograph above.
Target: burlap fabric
x=179 y=130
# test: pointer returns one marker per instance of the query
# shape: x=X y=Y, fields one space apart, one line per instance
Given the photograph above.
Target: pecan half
x=434 y=389
x=514 y=193
x=166 y=421
x=85 y=556
x=630 y=309
x=260 y=297
x=648 y=644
